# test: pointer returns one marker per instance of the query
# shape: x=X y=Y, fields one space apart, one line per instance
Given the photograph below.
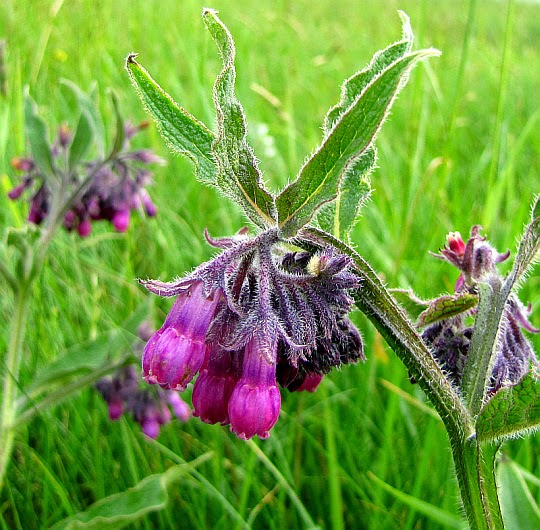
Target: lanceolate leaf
x=528 y=247
x=89 y=109
x=238 y=174
x=338 y=218
x=36 y=131
x=358 y=82
x=512 y=411
x=120 y=132
x=446 y=307
x=121 y=509
x=82 y=140
x=350 y=137
x=182 y=132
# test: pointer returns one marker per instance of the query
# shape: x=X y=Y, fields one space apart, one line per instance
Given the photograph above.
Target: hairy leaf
x=339 y=217
x=238 y=175
x=36 y=131
x=446 y=307
x=182 y=132
x=511 y=411
x=528 y=247
x=354 y=86
x=354 y=132
x=121 y=509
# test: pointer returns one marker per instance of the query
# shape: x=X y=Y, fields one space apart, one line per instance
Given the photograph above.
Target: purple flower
x=255 y=401
x=272 y=316
x=450 y=338
x=176 y=352
x=214 y=386
x=110 y=190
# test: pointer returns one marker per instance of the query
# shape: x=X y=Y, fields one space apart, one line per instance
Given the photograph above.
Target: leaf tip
x=130 y=59
x=209 y=11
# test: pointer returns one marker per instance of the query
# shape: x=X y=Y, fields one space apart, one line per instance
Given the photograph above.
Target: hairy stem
x=11 y=374
x=474 y=464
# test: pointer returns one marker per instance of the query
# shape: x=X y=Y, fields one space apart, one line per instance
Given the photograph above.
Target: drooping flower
x=148 y=407
x=108 y=191
x=254 y=317
x=450 y=338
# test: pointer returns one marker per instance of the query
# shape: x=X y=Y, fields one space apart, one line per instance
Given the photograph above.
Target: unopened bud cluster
x=110 y=190
x=450 y=338
x=254 y=317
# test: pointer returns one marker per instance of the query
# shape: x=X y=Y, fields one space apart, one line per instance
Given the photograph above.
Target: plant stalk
x=11 y=375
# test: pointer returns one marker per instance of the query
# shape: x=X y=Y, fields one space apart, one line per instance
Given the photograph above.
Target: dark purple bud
x=84 y=228
x=255 y=402
x=213 y=388
x=176 y=352
x=116 y=408
x=311 y=381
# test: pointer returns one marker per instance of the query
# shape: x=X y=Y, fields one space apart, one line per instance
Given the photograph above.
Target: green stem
x=11 y=375
x=474 y=464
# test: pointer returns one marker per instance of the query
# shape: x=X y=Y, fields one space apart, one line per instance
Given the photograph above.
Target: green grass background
x=461 y=147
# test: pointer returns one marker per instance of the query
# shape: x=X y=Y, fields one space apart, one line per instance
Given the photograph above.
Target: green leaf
x=110 y=349
x=120 y=509
x=354 y=86
x=120 y=132
x=350 y=137
x=518 y=505
x=481 y=357
x=409 y=301
x=82 y=140
x=92 y=116
x=528 y=247
x=447 y=306
x=36 y=131
x=238 y=174
x=441 y=517
x=512 y=411
x=339 y=217
x=182 y=132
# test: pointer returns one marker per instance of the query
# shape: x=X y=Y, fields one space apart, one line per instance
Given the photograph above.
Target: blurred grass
x=461 y=147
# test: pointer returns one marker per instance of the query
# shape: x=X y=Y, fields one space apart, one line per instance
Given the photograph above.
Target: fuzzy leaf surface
x=528 y=247
x=354 y=86
x=354 y=132
x=238 y=174
x=447 y=306
x=511 y=411
x=182 y=132
x=36 y=131
x=339 y=217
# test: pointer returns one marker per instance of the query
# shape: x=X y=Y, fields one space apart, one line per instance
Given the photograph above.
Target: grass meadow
x=461 y=147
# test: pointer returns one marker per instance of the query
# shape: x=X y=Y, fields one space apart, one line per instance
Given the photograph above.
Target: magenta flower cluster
x=450 y=338
x=149 y=408
x=109 y=191
x=253 y=317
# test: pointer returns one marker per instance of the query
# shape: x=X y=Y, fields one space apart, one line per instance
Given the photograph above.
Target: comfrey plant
x=272 y=308
x=68 y=189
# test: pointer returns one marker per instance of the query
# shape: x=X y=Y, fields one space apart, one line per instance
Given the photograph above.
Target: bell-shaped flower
x=176 y=352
